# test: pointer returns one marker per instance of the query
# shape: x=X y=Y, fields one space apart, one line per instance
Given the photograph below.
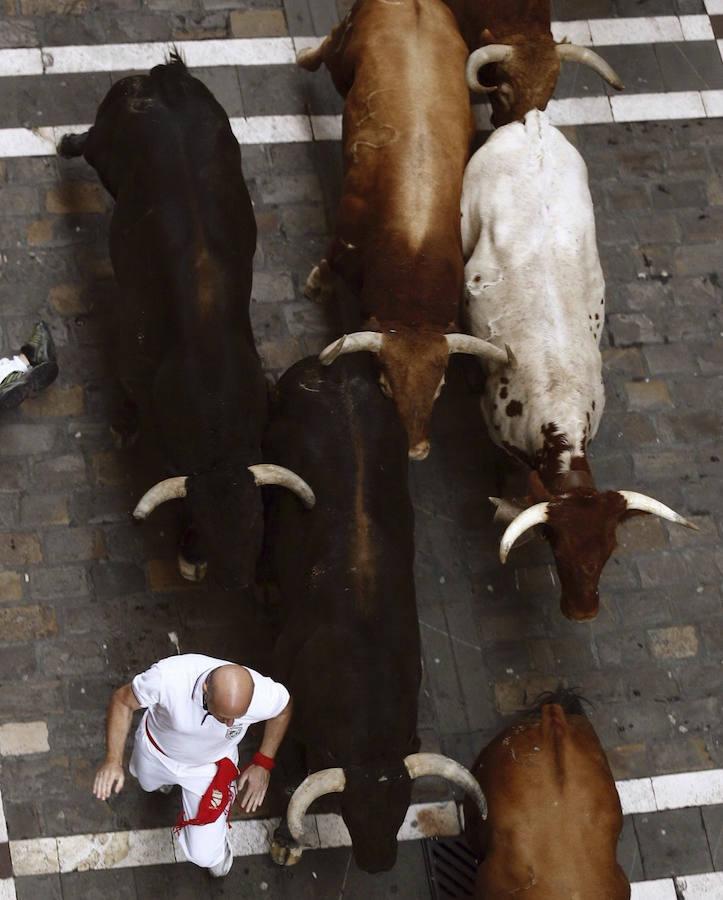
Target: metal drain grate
x=451 y=868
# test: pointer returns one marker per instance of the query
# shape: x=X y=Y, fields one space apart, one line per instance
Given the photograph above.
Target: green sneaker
x=40 y=347
x=40 y=352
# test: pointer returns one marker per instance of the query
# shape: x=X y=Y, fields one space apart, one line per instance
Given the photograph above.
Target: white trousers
x=10 y=364
x=204 y=845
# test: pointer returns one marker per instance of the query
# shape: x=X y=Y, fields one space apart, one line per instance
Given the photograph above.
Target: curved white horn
x=483 y=57
x=655 y=507
x=474 y=346
x=534 y=515
x=351 y=343
x=170 y=489
x=326 y=781
x=574 y=53
x=265 y=473
x=419 y=764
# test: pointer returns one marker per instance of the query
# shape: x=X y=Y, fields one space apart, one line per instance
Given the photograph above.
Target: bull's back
x=183 y=232
x=554 y=813
x=534 y=281
x=407 y=129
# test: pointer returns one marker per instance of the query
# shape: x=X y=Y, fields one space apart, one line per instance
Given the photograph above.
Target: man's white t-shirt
x=172 y=692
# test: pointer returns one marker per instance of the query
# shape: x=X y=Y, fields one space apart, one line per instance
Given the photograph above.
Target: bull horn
x=483 y=57
x=534 y=515
x=419 y=764
x=265 y=473
x=170 y=489
x=351 y=343
x=474 y=346
x=587 y=57
x=326 y=781
x=640 y=502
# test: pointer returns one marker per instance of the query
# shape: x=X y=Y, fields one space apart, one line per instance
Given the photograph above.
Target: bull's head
x=412 y=366
x=526 y=74
x=227 y=513
x=374 y=802
x=581 y=530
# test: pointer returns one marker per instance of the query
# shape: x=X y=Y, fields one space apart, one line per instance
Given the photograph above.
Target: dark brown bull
x=524 y=60
x=554 y=814
x=406 y=134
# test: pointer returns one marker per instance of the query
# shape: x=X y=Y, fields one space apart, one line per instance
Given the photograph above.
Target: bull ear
x=635 y=502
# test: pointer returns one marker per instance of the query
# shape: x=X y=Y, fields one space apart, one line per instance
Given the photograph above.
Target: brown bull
x=407 y=128
x=524 y=60
x=554 y=815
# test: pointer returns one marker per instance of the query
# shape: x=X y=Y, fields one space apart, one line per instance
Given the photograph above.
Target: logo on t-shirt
x=233 y=732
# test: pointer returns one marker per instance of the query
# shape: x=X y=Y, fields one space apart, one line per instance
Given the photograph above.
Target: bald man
x=197 y=711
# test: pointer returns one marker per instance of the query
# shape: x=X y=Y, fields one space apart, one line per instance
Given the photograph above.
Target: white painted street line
x=701 y=887
x=688 y=789
x=661 y=889
x=20 y=142
x=115 y=850
x=580 y=111
x=21 y=738
x=636 y=796
x=713 y=101
x=272 y=130
x=278 y=51
x=654 y=107
x=714 y=7
x=649 y=30
x=696 y=28
x=21 y=62
x=35 y=856
x=198 y=54
x=7 y=889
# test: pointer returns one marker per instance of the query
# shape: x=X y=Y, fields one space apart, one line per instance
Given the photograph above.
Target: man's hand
x=256 y=781
x=109 y=776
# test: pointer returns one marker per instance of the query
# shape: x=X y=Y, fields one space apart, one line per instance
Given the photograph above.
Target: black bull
x=349 y=650
x=182 y=241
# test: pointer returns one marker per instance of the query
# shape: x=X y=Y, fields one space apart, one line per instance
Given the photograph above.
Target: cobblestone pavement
x=87 y=599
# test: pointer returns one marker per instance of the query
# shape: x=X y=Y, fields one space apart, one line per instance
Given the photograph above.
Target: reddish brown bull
x=407 y=128
x=554 y=814
x=524 y=60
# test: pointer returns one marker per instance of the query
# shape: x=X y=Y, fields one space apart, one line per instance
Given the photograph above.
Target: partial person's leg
x=152 y=775
x=206 y=845
x=27 y=374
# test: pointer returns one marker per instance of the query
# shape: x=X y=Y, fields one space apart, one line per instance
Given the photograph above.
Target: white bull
x=534 y=281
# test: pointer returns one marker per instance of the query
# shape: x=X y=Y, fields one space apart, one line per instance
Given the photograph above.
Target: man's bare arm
x=110 y=775
x=274 y=731
x=256 y=778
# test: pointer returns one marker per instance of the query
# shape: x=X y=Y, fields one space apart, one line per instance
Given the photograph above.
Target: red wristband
x=266 y=762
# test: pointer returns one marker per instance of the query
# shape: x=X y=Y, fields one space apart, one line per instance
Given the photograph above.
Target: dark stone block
x=673 y=843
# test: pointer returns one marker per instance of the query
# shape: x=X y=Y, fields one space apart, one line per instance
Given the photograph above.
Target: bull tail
x=568 y=698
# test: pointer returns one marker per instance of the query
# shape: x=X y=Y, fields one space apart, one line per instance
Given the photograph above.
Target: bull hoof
x=192 y=571
x=284 y=855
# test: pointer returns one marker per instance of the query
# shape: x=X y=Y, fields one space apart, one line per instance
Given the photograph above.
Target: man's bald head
x=229 y=690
